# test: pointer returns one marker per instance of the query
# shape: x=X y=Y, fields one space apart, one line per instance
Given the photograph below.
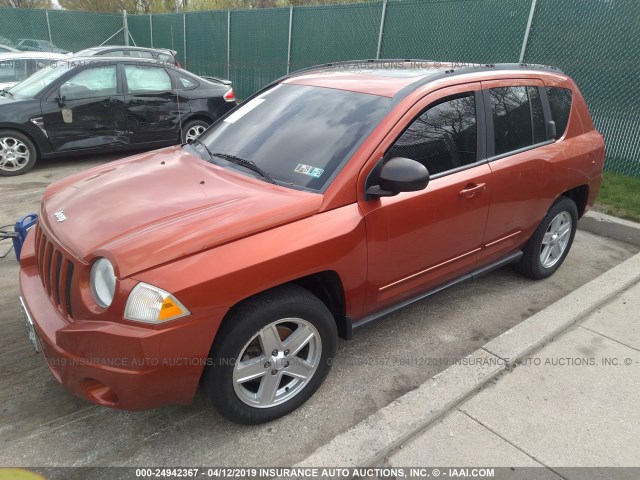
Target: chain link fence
x=596 y=42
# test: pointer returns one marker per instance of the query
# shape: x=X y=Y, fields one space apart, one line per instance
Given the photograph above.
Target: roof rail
x=458 y=67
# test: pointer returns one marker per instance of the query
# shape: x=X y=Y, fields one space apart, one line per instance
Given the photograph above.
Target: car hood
x=160 y=206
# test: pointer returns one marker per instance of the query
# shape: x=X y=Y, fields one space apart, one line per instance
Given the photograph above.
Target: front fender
x=225 y=275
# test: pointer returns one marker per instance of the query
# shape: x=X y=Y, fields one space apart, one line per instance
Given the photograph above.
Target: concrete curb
x=369 y=442
x=611 y=227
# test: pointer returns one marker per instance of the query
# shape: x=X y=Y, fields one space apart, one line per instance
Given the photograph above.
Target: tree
x=131 y=6
x=25 y=4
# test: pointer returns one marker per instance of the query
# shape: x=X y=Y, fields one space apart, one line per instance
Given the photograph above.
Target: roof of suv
x=388 y=77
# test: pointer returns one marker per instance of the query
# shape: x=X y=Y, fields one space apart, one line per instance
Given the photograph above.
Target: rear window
x=560 y=102
x=299 y=134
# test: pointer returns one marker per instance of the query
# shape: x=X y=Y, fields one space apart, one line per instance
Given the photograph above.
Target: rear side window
x=518 y=119
x=141 y=79
x=442 y=138
x=560 y=102
x=186 y=83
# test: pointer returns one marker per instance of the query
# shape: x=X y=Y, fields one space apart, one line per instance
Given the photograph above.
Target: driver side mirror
x=61 y=99
x=398 y=175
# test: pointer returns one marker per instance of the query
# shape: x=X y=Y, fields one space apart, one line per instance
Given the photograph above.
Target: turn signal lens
x=150 y=304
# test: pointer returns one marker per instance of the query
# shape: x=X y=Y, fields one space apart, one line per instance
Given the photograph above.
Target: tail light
x=230 y=96
x=178 y=64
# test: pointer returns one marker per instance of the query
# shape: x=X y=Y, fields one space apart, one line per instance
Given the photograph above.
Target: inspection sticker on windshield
x=314 y=172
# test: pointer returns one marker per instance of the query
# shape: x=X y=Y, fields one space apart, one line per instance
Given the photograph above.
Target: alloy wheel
x=555 y=240
x=14 y=154
x=277 y=363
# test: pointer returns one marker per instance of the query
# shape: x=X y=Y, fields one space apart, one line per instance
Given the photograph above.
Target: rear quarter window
x=560 y=103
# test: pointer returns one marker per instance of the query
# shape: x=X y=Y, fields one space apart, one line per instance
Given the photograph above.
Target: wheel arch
x=26 y=133
x=327 y=287
x=580 y=196
x=204 y=116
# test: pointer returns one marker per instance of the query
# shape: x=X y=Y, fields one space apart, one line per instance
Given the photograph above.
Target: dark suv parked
x=90 y=104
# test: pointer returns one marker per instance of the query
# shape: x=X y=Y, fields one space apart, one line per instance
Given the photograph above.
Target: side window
x=143 y=79
x=560 y=102
x=43 y=62
x=140 y=54
x=186 y=83
x=13 y=70
x=113 y=53
x=92 y=82
x=518 y=119
x=443 y=137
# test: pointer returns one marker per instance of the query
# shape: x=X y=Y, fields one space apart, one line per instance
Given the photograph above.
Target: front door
x=153 y=110
x=419 y=240
x=86 y=111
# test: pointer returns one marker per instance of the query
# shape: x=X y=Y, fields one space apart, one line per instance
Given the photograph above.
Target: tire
x=18 y=154
x=551 y=242
x=279 y=320
x=192 y=129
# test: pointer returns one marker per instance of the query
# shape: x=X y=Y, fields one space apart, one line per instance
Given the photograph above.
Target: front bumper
x=117 y=364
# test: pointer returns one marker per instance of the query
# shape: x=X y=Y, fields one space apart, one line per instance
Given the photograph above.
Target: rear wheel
x=18 y=154
x=551 y=242
x=270 y=355
x=192 y=130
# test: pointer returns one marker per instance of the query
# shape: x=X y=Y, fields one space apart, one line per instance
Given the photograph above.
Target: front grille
x=55 y=270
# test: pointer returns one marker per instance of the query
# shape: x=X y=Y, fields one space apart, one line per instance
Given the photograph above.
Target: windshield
x=39 y=80
x=298 y=134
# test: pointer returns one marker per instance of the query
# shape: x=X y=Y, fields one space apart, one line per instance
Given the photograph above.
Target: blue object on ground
x=21 y=228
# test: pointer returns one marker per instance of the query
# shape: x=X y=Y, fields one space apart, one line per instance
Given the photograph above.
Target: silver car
x=15 y=67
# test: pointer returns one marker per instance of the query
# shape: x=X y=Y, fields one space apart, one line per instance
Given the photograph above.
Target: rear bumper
x=115 y=364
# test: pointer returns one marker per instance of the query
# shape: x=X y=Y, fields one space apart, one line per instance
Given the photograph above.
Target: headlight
x=103 y=282
x=150 y=304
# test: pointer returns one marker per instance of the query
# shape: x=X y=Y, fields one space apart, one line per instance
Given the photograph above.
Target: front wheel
x=551 y=242
x=271 y=354
x=18 y=154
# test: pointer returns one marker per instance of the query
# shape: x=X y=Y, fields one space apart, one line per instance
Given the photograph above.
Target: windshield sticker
x=314 y=172
x=243 y=110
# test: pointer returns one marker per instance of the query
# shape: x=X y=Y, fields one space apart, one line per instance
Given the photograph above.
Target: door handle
x=472 y=189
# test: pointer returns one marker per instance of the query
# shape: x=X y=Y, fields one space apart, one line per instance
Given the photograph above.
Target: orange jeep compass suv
x=326 y=200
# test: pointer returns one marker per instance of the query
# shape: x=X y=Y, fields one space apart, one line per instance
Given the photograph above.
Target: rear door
x=516 y=140
x=153 y=111
x=86 y=111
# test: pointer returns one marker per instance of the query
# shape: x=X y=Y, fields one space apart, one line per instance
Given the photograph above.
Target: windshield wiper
x=4 y=90
x=250 y=164
x=200 y=142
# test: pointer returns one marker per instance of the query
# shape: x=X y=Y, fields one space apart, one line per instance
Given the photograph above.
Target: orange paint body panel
x=212 y=236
